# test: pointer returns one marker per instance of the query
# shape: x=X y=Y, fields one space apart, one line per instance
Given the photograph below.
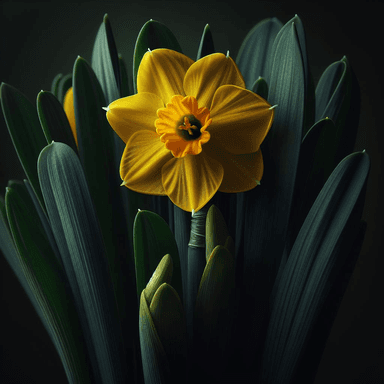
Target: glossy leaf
x=155 y=363
x=169 y=319
x=152 y=240
x=44 y=221
x=315 y=166
x=253 y=58
x=216 y=231
x=260 y=87
x=96 y=152
x=10 y=252
x=47 y=281
x=105 y=61
x=206 y=46
x=55 y=84
x=162 y=274
x=263 y=212
x=214 y=313
x=125 y=79
x=152 y=35
x=338 y=98
x=312 y=266
x=64 y=84
x=79 y=239
x=54 y=120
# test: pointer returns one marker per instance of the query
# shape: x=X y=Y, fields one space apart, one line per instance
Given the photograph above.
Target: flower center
x=188 y=127
x=182 y=126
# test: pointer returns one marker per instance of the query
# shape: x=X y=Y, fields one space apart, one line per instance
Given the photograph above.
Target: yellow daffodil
x=191 y=129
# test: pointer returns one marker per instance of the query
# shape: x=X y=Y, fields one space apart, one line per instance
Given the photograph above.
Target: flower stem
x=196 y=265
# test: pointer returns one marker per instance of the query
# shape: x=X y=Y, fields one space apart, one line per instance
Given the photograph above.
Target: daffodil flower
x=191 y=130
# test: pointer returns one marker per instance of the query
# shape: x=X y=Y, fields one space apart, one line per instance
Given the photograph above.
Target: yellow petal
x=209 y=73
x=70 y=111
x=240 y=119
x=161 y=72
x=241 y=172
x=191 y=181
x=133 y=113
x=141 y=163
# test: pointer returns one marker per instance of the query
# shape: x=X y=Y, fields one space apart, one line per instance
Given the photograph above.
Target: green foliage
x=53 y=120
x=152 y=240
x=206 y=45
x=151 y=36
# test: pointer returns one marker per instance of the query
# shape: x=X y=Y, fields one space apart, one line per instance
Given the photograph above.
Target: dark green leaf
x=314 y=262
x=169 y=319
x=260 y=87
x=54 y=120
x=308 y=365
x=216 y=231
x=152 y=240
x=264 y=211
x=206 y=46
x=338 y=98
x=44 y=221
x=55 y=84
x=162 y=274
x=79 y=239
x=152 y=35
x=64 y=84
x=253 y=58
x=155 y=363
x=10 y=252
x=47 y=281
x=126 y=82
x=105 y=61
x=25 y=130
x=214 y=313
x=317 y=155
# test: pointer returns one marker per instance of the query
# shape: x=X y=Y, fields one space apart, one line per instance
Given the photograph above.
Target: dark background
x=39 y=40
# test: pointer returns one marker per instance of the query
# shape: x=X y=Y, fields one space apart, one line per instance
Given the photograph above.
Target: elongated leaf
x=260 y=87
x=152 y=240
x=55 y=83
x=44 y=221
x=64 y=84
x=25 y=130
x=206 y=46
x=169 y=319
x=10 y=252
x=47 y=281
x=162 y=274
x=151 y=36
x=315 y=166
x=155 y=363
x=308 y=364
x=253 y=58
x=312 y=265
x=338 y=98
x=263 y=212
x=96 y=152
x=78 y=236
x=53 y=120
x=105 y=61
x=216 y=231
x=214 y=313
x=126 y=84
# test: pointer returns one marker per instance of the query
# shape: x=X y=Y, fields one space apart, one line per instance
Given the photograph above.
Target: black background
x=40 y=39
